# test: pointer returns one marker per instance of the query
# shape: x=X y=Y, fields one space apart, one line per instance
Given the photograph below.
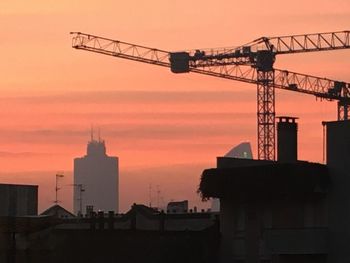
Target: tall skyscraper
x=96 y=179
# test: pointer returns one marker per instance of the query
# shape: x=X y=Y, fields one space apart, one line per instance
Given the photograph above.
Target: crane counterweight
x=179 y=62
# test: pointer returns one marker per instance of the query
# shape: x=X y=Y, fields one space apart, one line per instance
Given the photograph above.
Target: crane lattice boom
x=284 y=79
x=309 y=42
x=120 y=49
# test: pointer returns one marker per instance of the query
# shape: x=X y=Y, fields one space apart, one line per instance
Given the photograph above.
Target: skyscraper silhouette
x=96 y=179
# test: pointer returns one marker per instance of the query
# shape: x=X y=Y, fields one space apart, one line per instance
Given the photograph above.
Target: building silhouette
x=18 y=200
x=143 y=234
x=96 y=179
x=242 y=151
x=286 y=210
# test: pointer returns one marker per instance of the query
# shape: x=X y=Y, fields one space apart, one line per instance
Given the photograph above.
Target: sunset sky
x=165 y=128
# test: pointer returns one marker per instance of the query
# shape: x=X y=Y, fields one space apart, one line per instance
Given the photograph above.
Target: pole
x=80 y=197
x=81 y=190
x=57 y=188
x=324 y=142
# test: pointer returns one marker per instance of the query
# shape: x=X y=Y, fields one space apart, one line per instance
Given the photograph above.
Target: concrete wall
x=266 y=227
x=227 y=229
x=338 y=161
x=18 y=200
x=262 y=230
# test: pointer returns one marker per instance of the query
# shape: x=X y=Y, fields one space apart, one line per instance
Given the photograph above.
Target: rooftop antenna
x=150 y=194
x=58 y=175
x=158 y=196
x=99 y=134
x=81 y=189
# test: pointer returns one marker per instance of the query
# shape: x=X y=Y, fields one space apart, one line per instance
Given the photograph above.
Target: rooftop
x=265 y=180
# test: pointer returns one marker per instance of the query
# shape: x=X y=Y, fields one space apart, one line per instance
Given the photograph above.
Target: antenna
x=80 y=199
x=81 y=189
x=158 y=196
x=99 y=134
x=57 y=188
x=150 y=194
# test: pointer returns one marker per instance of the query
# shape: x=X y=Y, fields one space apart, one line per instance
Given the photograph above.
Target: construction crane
x=250 y=63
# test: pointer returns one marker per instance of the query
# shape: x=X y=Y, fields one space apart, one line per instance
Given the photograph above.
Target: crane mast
x=250 y=63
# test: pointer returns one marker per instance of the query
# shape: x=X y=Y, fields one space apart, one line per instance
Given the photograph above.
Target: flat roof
x=18 y=185
x=265 y=180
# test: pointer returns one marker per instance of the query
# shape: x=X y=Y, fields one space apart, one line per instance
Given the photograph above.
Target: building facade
x=142 y=234
x=96 y=179
x=18 y=200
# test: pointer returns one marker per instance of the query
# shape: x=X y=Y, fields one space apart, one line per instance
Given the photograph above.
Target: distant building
x=96 y=179
x=177 y=207
x=18 y=200
x=242 y=150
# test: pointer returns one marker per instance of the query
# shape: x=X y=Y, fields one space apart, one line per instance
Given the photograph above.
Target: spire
x=96 y=147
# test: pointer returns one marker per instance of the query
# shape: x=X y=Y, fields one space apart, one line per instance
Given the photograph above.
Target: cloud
x=137 y=131
x=122 y=96
x=21 y=154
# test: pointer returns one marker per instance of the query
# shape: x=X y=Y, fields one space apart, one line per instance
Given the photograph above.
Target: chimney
x=287 y=139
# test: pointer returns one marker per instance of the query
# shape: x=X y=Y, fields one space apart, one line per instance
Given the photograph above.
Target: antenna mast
x=150 y=194
x=80 y=199
x=57 y=188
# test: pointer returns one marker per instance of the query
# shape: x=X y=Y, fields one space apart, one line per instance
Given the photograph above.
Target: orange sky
x=165 y=128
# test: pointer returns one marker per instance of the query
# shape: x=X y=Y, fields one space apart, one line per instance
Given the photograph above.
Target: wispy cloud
x=123 y=96
x=21 y=154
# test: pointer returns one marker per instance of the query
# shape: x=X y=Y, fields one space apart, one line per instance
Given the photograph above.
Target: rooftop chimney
x=287 y=139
